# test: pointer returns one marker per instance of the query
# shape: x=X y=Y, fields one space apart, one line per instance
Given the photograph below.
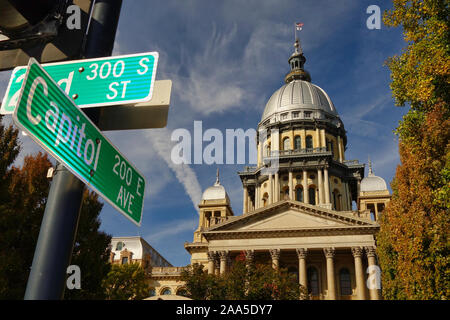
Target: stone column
x=275 y=254
x=327 y=186
x=249 y=257
x=223 y=261
x=339 y=148
x=270 y=189
x=320 y=185
x=323 y=138
x=374 y=290
x=305 y=187
x=302 y=276
x=303 y=137
x=276 y=189
x=245 y=200
x=359 y=273
x=256 y=196
x=317 y=139
x=211 y=257
x=376 y=211
x=216 y=266
x=291 y=183
x=329 y=254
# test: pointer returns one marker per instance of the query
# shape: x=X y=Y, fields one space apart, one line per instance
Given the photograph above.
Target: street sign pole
x=59 y=226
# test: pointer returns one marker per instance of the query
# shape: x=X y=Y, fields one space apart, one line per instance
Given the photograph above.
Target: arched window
x=345 y=282
x=309 y=142
x=166 y=291
x=182 y=292
x=120 y=245
x=336 y=200
x=285 y=193
x=313 y=281
x=265 y=198
x=268 y=150
x=297 y=143
x=330 y=146
x=286 y=144
x=299 y=194
x=312 y=195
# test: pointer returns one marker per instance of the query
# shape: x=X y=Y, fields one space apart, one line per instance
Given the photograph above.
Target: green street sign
x=95 y=82
x=54 y=121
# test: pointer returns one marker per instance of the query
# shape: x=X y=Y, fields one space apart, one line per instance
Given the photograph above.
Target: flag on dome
x=299 y=25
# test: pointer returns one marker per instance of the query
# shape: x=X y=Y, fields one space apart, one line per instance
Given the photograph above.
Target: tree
x=242 y=282
x=413 y=246
x=23 y=198
x=20 y=221
x=9 y=150
x=126 y=282
x=91 y=251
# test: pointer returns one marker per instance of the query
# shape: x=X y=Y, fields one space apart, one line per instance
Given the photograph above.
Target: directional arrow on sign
x=98 y=82
x=54 y=121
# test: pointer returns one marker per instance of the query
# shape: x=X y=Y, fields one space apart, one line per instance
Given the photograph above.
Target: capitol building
x=316 y=215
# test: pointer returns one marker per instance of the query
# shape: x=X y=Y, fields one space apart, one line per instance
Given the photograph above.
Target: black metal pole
x=62 y=212
x=56 y=237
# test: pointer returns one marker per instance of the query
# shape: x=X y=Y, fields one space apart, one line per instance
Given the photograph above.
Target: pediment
x=291 y=219
x=289 y=215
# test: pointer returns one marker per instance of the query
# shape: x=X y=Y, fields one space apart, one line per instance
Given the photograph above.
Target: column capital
x=223 y=255
x=370 y=251
x=211 y=255
x=275 y=253
x=302 y=253
x=329 y=252
x=357 y=252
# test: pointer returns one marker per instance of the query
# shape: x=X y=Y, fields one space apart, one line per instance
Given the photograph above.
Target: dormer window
x=284 y=116
x=308 y=114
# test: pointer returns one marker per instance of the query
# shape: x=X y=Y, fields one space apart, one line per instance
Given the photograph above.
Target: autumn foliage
x=413 y=244
x=23 y=196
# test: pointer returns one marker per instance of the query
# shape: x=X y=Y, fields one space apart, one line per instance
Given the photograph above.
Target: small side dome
x=216 y=192
x=373 y=182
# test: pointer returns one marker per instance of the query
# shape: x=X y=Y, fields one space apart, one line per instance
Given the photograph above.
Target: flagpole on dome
x=298 y=26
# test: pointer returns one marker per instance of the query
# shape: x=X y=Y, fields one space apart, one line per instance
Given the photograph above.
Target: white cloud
x=170 y=229
x=161 y=143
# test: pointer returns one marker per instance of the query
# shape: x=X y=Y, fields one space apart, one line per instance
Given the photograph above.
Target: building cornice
x=294 y=232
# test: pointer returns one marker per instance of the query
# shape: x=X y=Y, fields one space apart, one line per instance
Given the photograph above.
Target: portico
x=328 y=252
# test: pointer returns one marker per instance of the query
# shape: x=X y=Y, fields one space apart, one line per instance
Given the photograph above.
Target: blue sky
x=225 y=59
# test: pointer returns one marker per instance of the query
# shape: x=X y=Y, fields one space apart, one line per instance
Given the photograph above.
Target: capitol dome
x=373 y=182
x=308 y=99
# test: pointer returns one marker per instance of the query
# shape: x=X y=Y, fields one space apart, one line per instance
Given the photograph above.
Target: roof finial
x=370 y=167
x=217 y=177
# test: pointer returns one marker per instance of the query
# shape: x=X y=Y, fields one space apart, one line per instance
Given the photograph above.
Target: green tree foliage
x=20 y=221
x=9 y=150
x=22 y=204
x=413 y=245
x=91 y=251
x=126 y=282
x=255 y=282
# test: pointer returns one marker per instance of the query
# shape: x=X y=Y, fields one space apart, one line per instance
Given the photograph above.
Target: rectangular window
x=284 y=116
x=124 y=260
x=295 y=114
x=307 y=114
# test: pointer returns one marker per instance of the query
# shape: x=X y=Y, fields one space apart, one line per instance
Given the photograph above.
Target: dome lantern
x=296 y=62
